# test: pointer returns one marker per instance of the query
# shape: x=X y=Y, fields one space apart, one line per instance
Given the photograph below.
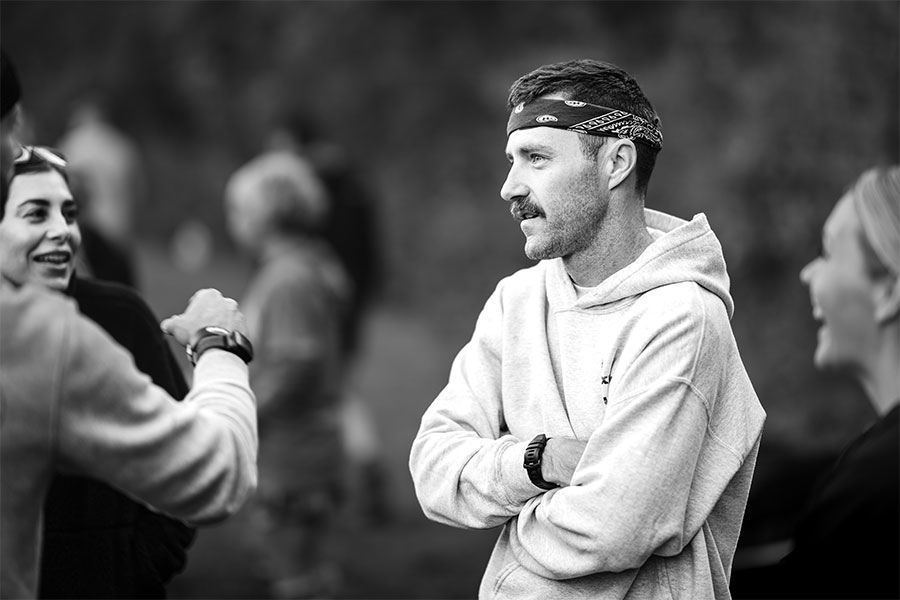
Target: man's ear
x=887 y=299
x=621 y=161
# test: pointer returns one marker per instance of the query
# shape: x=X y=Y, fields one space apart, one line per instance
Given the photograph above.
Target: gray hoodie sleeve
x=195 y=460
x=466 y=467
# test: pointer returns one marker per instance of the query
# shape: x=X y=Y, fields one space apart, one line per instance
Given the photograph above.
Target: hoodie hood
x=681 y=251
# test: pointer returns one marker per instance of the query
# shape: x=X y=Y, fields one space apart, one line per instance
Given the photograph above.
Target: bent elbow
x=225 y=488
x=448 y=507
x=628 y=548
x=588 y=555
x=228 y=500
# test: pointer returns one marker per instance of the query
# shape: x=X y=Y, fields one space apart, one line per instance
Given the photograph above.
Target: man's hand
x=561 y=456
x=206 y=308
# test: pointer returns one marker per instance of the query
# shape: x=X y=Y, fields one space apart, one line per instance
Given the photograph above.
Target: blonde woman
x=847 y=540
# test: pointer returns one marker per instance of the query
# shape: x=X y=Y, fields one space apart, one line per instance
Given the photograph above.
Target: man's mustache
x=524 y=209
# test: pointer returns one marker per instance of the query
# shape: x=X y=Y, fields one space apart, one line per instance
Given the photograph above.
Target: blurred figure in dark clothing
x=351 y=224
x=8 y=121
x=109 y=165
x=295 y=306
x=351 y=228
x=847 y=540
x=107 y=178
x=98 y=256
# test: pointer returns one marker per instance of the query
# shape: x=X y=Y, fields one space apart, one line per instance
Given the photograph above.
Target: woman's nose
x=58 y=228
x=806 y=272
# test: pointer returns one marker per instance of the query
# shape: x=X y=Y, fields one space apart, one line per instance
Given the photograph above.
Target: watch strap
x=223 y=339
x=534 y=454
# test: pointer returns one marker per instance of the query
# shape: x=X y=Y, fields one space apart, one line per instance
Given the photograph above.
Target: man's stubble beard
x=577 y=224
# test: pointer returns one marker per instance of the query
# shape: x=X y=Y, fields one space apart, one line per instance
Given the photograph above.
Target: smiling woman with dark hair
x=98 y=543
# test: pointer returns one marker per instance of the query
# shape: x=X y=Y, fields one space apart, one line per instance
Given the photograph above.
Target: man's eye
x=536 y=158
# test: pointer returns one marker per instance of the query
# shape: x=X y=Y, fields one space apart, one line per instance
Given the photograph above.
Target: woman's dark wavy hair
x=595 y=82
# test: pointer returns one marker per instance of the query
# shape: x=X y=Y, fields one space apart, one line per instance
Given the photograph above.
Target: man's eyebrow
x=531 y=148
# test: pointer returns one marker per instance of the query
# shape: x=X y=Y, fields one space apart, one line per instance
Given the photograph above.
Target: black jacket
x=847 y=541
x=98 y=543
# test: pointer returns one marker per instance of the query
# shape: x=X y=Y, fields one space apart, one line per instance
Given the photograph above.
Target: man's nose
x=513 y=188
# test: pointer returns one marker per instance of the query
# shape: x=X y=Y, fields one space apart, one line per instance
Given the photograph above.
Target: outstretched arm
x=194 y=460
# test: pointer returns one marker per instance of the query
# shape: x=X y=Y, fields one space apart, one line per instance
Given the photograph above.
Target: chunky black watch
x=219 y=337
x=533 y=455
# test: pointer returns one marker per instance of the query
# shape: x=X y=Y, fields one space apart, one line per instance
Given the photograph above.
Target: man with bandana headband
x=600 y=414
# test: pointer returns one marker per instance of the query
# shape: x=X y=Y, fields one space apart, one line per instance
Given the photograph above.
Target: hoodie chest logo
x=604 y=387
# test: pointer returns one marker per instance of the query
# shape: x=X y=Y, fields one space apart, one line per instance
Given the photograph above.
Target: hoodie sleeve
x=467 y=469
x=195 y=460
x=653 y=471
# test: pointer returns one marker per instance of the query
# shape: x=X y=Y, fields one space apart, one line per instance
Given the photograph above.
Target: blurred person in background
x=296 y=305
x=351 y=230
x=601 y=413
x=99 y=257
x=350 y=226
x=98 y=543
x=106 y=175
x=846 y=543
x=9 y=147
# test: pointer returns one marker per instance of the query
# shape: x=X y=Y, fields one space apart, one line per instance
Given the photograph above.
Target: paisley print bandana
x=582 y=117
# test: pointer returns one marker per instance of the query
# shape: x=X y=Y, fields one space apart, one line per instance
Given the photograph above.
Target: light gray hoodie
x=645 y=368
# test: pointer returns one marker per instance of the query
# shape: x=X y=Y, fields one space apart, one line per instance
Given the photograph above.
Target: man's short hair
x=595 y=82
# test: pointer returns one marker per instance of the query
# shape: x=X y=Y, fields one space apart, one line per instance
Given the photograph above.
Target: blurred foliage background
x=769 y=110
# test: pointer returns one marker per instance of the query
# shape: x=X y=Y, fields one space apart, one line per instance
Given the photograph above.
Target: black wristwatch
x=533 y=455
x=219 y=337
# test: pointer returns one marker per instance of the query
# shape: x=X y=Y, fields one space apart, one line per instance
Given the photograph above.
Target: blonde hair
x=286 y=190
x=876 y=197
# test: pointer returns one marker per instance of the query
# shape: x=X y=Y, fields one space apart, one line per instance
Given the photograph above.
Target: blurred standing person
x=11 y=94
x=98 y=543
x=351 y=228
x=107 y=177
x=601 y=413
x=295 y=307
x=847 y=540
